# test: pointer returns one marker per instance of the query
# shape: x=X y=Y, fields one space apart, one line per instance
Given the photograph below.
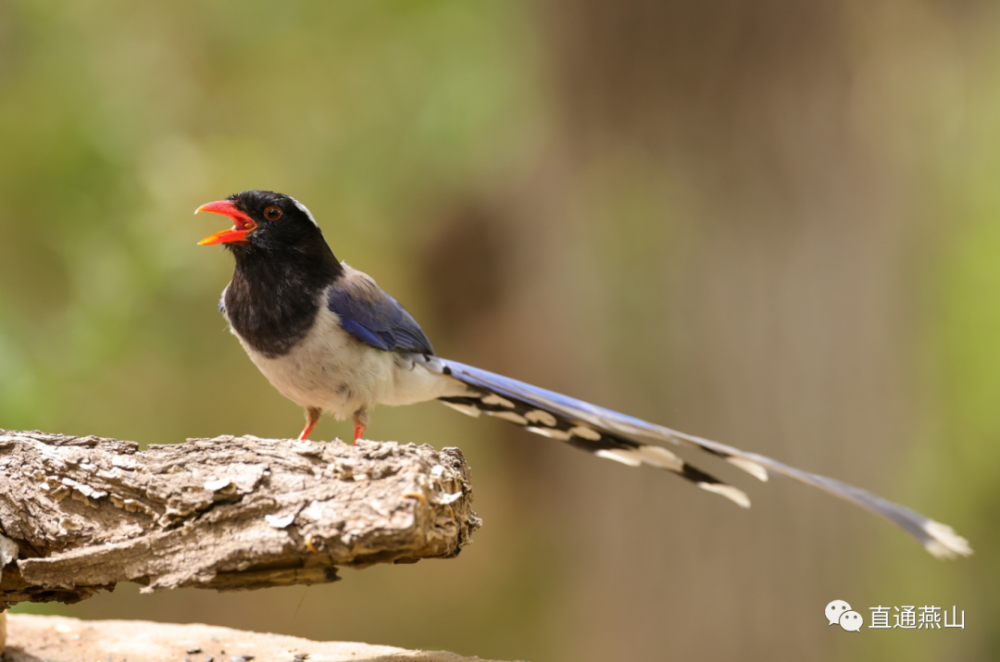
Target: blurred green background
x=773 y=224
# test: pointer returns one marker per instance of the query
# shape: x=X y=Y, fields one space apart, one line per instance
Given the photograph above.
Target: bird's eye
x=272 y=213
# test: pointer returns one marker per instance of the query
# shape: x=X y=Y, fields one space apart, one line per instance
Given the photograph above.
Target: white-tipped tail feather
x=634 y=442
x=752 y=468
x=944 y=543
x=737 y=496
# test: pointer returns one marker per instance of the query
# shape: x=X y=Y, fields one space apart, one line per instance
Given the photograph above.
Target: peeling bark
x=228 y=513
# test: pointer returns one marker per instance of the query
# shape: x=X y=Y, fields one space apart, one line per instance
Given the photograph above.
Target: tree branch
x=80 y=514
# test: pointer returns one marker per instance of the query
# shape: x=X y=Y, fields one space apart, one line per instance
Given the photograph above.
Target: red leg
x=312 y=418
x=360 y=424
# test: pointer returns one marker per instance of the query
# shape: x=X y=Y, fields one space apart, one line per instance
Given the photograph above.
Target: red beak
x=242 y=224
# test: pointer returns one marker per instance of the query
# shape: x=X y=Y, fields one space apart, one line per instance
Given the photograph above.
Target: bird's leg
x=360 y=424
x=312 y=418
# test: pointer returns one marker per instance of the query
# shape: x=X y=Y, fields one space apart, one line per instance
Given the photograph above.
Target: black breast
x=273 y=304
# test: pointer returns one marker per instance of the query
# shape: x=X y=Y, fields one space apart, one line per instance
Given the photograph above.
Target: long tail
x=622 y=438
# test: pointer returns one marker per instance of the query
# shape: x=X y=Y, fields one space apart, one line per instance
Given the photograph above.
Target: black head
x=266 y=222
x=282 y=265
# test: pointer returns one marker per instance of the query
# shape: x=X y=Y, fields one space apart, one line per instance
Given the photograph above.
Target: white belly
x=331 y=370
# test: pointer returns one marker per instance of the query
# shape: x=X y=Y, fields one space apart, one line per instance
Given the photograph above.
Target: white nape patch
x=304 y=210
x=496 y=400
x=509 y=416
x=540 y=416
x=946 y=544
x=737 y=496
x=620 y=455
x=660 y=457
x=468 y=410
x=749 y=466
x=585 y=433
x=552 y=433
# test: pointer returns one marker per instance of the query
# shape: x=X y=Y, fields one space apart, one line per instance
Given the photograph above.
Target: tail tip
x=943 y=542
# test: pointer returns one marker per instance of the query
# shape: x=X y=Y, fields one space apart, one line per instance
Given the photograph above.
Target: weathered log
x=79 y=514
x=35 y=638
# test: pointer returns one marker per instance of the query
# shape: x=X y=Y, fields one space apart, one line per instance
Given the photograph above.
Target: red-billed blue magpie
x=329 y=339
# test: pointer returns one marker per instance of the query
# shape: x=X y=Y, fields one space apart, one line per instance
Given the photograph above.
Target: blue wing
x=373 y=317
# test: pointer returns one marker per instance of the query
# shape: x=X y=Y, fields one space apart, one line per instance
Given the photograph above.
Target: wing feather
x=370 y=315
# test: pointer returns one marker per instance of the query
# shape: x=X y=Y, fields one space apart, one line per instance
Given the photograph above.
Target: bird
x=329 y=339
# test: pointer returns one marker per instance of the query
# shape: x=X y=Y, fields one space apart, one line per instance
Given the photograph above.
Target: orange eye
x=272 y=213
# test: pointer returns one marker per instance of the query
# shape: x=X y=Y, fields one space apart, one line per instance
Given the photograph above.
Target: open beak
x=242 y=224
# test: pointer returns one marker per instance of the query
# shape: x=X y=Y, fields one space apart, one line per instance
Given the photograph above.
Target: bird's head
x=268 y=221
